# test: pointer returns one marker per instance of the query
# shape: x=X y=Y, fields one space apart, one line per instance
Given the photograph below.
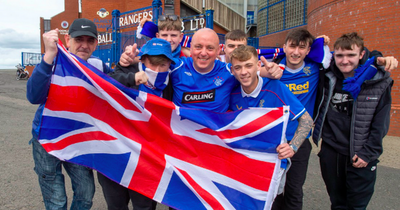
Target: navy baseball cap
x=82 y=27
x=157 y=46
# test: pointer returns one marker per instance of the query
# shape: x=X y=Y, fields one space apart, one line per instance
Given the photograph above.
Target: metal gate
x=122 y=31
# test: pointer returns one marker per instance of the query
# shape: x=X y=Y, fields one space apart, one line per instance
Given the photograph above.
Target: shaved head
x=204 y=49
x=206 y=32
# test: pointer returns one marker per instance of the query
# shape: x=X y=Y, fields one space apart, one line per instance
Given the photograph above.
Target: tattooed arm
x=304 y=127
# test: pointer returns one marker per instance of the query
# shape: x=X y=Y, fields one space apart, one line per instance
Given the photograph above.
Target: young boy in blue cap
x=154 y=68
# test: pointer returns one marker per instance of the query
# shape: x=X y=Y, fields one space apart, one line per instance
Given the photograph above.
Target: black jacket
x=370 y=117
x=126 y=76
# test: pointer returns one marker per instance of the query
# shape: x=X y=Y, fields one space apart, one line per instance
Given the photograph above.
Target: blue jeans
x=51 y=180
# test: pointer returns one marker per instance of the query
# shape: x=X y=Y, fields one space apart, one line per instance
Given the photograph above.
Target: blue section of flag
x=113 y=164
x=178 y=190
x=235 y=195
x=213 y=120
x=51 y=128
x=264 y=142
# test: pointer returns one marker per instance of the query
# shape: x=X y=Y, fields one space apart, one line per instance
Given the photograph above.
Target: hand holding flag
x=50 y=39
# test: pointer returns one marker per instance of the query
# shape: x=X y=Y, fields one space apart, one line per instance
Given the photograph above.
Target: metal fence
x=122 y=31
x=30 y=59
x=278 y=15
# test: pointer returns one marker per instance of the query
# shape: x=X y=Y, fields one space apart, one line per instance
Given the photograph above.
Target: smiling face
x=231 y=45
x=246 y=73
x=82 y=46
x=204 y=49
x=171 y=36
x=348 y=60
x=295 y=53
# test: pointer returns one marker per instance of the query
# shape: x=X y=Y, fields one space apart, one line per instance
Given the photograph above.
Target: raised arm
x=39 y=82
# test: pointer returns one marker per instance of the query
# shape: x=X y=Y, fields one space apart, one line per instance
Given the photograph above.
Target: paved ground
x=19 y=187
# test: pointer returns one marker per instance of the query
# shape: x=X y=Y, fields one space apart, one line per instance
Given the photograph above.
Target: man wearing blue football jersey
x=256 y=91
x=301 y=76
x=204 y=82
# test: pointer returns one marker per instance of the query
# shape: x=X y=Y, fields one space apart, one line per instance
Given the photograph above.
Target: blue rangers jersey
x=303 y=83
x=208 y=91
x=268 y=93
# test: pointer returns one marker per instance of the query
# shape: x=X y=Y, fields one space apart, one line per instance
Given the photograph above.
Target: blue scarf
x=362 y=73
x=177 y=52
x=156 y=83
x=319 y=53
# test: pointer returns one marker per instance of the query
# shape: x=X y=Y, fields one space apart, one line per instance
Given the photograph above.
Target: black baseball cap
x=81 y=27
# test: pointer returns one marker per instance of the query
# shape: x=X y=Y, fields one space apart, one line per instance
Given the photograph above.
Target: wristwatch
x=294 y=148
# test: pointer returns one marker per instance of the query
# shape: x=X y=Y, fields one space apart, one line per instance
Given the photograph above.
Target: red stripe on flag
x=112 y=90
x=62 y=96
x=248 y=128
x=77 y=138
x=210 y=199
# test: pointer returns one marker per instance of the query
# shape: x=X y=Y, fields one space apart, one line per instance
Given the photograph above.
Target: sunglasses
x=169 y=17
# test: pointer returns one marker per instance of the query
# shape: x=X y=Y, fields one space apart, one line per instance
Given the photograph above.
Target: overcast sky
x=20 y=27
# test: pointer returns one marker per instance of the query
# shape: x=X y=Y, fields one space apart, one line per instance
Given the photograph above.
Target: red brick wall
x=376 y=21
x=70 y=13
x=275 y=39
x=30 y=69
x=90 y=7
x=394 y=121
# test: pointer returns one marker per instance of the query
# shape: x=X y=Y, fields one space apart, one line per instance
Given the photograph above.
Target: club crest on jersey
x=261 y=103
x=218 y=81
x=307 y=70
x=198 y=97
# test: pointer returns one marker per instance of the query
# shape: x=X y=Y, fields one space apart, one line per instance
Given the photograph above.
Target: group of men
x=352 y=140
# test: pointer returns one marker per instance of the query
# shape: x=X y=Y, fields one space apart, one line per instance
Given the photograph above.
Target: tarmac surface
x=19 y=188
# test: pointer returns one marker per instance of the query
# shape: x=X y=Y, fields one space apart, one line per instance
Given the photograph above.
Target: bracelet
x=294 y=148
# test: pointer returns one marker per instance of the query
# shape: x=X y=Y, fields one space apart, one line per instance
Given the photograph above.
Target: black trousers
x=292 y=196
x=118 y=196
x=348 y=187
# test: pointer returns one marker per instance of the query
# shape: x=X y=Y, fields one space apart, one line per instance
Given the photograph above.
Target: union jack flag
x=184 y=158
